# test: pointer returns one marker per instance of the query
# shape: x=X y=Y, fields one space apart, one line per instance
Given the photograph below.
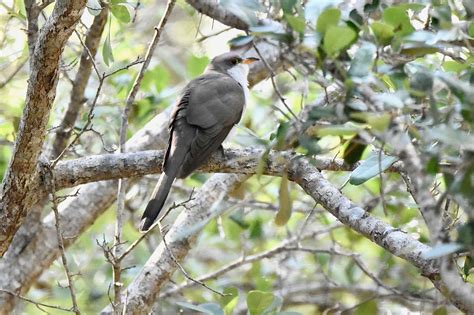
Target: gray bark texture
x=17 y=193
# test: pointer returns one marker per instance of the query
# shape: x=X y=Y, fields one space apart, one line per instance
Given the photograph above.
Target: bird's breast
x=239 y=73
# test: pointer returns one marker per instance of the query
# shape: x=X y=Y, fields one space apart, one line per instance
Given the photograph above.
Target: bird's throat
x=239 y=73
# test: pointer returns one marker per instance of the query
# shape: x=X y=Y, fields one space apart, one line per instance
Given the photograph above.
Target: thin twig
x=38 y=304
x=275 y=87
x=244 y=260
x=13 y=74
x=184 y=272
x=62 y=250
x=122 y=183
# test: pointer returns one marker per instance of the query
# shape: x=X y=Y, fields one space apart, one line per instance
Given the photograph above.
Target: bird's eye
x=235 y=61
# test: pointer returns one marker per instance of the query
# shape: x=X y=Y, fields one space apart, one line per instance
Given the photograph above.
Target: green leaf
x=370 y=168
x=378 y=122
x=158 y=77
x=398 y=18
x=107 y=53
x=383 y=32
x=196 y=65
x=454 y=66
x=284 y=213
x=120 y=11
x=466 y=231
x=287 y=5
x=363 y=60
x=255 y=229
x=338 y=130
x=468 y=265
x=338 y=38
x=297 y=23
x=369 y=307
x=441 y=311
x=229 y=301
x=441 y=250
x=470 y=29
x=329 y=17
x=259 y=301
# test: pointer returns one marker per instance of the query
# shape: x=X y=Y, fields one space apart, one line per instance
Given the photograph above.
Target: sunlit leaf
x=328 y=18
x=369 y=307
x=259 y=301
x=229 y=301
x=398 y=18
x=120 y=11
x=383 y=32
x=371 y=167
x=470 y=29
x=338 y=38
x=441 y=311
x=297 y=23
x=284 y=212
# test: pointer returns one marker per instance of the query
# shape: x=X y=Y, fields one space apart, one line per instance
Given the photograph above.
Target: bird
x=205 y=112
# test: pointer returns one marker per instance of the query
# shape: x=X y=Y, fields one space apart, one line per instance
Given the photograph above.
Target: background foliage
x=395 y=64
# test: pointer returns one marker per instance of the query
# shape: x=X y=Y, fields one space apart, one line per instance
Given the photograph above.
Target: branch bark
x=94 y=168
x=217 y=12
x=16 y=197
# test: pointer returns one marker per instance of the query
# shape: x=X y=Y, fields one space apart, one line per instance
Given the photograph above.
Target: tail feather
x=155 y=205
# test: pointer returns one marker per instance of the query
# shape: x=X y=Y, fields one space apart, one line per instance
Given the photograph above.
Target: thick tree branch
x=79 y=85
x=94 y=168
x=16 y=197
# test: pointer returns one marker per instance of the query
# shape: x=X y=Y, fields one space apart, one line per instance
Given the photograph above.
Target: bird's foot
x=221 y=151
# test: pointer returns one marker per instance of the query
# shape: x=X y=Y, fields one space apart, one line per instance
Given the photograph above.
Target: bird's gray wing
x=215 y=105
x=215 y=99
x=205 y=142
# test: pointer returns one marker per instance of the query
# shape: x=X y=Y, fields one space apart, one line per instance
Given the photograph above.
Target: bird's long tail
x=155 y=205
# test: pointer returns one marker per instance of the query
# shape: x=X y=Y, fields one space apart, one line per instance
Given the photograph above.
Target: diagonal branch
x=16 y=197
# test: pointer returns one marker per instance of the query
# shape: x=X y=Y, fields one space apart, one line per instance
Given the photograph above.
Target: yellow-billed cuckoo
x=207 y=109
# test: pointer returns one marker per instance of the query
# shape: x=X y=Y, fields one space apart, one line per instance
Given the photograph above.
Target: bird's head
x=231 y=62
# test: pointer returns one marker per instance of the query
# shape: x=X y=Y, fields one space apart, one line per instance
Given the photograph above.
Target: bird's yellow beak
x=249 y=60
